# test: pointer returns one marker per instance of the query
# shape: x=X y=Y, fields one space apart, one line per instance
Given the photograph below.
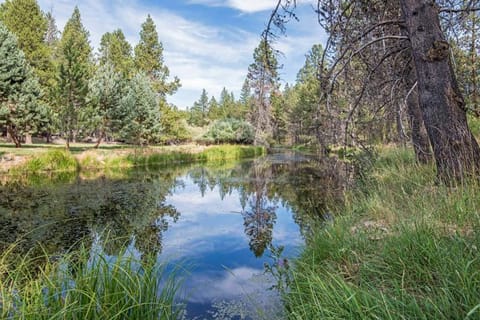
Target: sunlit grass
x=402 y=247
x=58 y=160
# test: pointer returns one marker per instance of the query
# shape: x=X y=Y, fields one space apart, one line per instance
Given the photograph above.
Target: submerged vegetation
x=82 y=285
x=402 y=247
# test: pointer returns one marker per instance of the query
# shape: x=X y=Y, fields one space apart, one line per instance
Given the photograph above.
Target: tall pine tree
x=115 y=50
x=149 y=59
x=263 y=79
x=75 y=70
x=29 y=24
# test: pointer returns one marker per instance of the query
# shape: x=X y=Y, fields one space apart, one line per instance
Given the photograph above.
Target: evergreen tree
x=29 y=24
x=199 y=111
x=141 y=112
x=214 y=111
x=104 y=97
x=173 y=125
x=227 y=104
x=75 y=69
x=20 y=110
x=149 y=59
x=263 y=79
x=115 y=50
x=246 y=100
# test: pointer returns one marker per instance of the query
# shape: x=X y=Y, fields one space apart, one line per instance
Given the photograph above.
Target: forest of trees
x=391 y=72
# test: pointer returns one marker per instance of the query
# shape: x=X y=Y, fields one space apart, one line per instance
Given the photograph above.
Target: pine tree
x=173 y=125
x=149 y=59
x=141 y=112
x=75 y=70
x=115 y=50
x=20 y=110
x=227 y=104
x=199 y=111
x=104 y=98
x=29 y=24
x=214 y=111
x=263 y=79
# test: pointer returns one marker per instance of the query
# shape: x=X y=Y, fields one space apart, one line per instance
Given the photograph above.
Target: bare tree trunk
x=13 y=136
x=456 y=151
x=100 y=138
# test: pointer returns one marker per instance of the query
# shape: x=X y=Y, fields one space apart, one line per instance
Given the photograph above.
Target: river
x=219 y=221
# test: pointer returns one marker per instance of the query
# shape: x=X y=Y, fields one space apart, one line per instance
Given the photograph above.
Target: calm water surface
x=220 y=221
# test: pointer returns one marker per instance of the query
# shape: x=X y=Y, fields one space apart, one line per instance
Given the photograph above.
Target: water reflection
x=219 y=219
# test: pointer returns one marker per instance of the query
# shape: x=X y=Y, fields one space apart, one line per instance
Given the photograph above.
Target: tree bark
x=28 y=138
x=420 y=142
x=13 y=136
x=457 y=154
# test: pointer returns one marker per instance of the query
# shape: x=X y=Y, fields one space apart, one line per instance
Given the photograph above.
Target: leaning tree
x=403 y=45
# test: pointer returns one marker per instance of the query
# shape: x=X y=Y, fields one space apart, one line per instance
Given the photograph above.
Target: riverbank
x=401 y=247
x=50 y=158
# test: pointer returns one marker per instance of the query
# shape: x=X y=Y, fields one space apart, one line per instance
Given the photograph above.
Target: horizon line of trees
x=51 y=83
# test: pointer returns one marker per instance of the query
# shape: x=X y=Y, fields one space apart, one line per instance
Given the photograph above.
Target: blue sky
x=207 y=43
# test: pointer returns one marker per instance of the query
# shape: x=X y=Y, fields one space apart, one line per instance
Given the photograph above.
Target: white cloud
x=247 y=6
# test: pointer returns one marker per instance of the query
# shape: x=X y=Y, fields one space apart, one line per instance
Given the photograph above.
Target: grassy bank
x=85 y=286
x=57 y=160
x=402 y=247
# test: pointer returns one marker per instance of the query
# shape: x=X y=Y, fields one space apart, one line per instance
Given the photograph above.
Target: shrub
x=230 y=131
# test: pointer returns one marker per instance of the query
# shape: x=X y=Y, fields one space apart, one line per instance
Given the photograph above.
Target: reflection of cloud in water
x=230 y=284
x=205 y=220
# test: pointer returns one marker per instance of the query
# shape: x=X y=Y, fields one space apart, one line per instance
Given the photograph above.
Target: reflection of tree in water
x=260 y=216
x=259 y=220
x=56 y=218
x=307 y=185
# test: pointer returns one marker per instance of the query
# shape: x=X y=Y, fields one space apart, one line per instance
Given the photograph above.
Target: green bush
x=230 y=131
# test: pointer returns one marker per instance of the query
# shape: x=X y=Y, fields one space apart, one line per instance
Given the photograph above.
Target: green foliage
x=199 y=111
x=402 y=247
x=173 y=125
x=75 y=71
x=230 y=131
x=104 y=101
x=149 y=59
x=86 y=286
x=52 y=160
x=140 y=111
x=263 y=79
x=115 y=50
x=212 y=154
x=20 y=110
x=29 y=24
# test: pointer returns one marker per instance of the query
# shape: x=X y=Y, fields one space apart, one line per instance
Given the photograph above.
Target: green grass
x=52 y=160
x=85 y=286
x=58 y=160
x=402 y=247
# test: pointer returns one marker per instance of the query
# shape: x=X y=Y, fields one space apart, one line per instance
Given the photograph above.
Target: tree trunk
x=28 y=138
x=420 y=142
x=456 y=151
x=13 y=136
x=100 y=138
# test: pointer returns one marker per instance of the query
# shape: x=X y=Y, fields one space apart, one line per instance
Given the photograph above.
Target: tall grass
x=52 y=160
x=402 y=247
x=84 y=286
x=62 y=161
